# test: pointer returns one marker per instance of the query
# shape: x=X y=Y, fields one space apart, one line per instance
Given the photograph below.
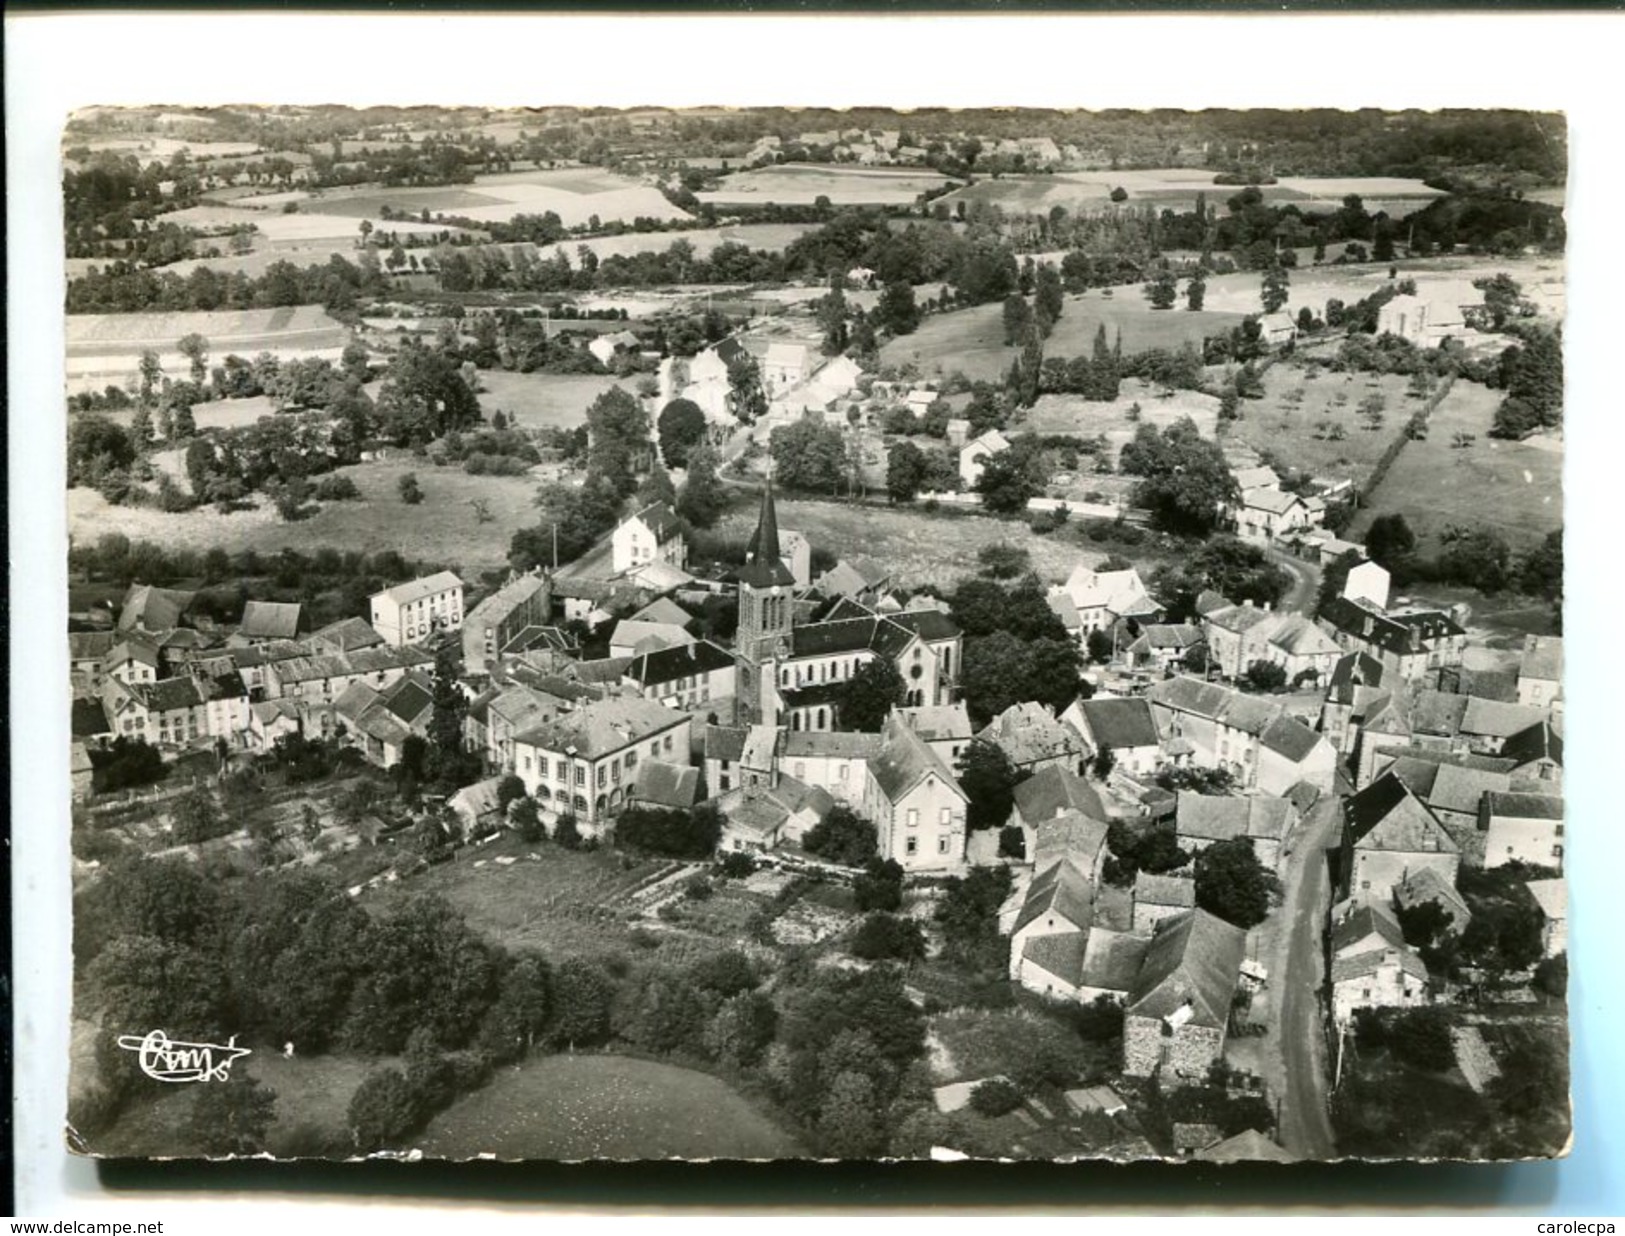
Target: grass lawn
x=1285 y=423
x=1514 y=488
x=972 y=340
x=604 y=1107
x=442 y=528
x=542 y=400
x=919 y=548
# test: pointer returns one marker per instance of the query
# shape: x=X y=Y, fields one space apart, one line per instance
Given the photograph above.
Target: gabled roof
x=603 y=726
x=1071 y=837
x=833 y=744
x=1166 y=637
x=90 y=719
x=1246 y=1147
x=884 y=636
x=1493 y=719
x=1387 y=816
x=418 y=589
x=1195 y=960
x=1299 y=637
x=1436 y=712
x=516 y=592
x=1538 y=742
x=661 y=784
x=1352 y=670
x=659 y=519
x=1260 y=477
x=1400 y=634
x=1061 y=891
x=523 y=708
x=1120 y=724
x=931 y=625
x=849 y=578
x=347 y=635
x=725 y=742
x=408 y=698
x=1366 y=964
x=1272 y=501
x=1216 y=817
x=1524 y=806
x=133 y=650
x=1367 y=920
x=90 y=645
x=1425 y=884
x=1164 y=890
x=992 y=441
x=168 y=694
x=904 y=760
x=1060 y=953
x=665 y=610
x=1111 y=590
x=1291 y=738
x=648 y=636
x=1192 y=695
x=1542 y=658
x=1552 y=896
x=1053 y=790
x=1208 y=600
x=1029 y=732
x=1112 y=959
x=269 y=620
x=939 y=722
x=155 y=609
x=685 y=661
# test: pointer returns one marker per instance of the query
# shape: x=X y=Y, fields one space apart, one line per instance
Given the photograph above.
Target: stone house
x=1177 y=1012
x=1389 y=835
x=915 y=802
x=1522 y=828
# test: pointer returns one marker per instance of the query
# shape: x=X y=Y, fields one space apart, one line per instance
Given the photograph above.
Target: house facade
x=497 y=621
x=413 y=611
x=653 y=534
x=1177 y=1013
x=1522 y=828
x=915 y=802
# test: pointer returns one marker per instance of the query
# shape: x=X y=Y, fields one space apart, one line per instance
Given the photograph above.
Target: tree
x=233 y=1117
x=1012 y=477
x=1018 y=318
x=449 y=763
x=1196 y=293
x=969 y=915
x=1100 y=647
x=746 y=398
x=1422 y=1037
x=682 y=428
x=1002 y=669
x=383 y=1110
x=1002 y=560
x=1477 y=557
x=566 y=832
x=1389 y=541
x=701 y=500
x=1185 y=481
x=581 y=998
x=1048 y=298
x=1162 y=290
x=741 y=1030
x=422 y=395
x=867 y=698
x=408 y=488
x=989 y=780
x=810 y=455
x=1265 y=676
x=1233 y=884
x=97 y=446
x=150 y=371
x=196 y=350
x=885 y=937
x=906 y=470
x=849 y=1121
x=880 y=887
x=896 y=311
x=995 y=1097
x=842 y=837
x=1274 y=291
x=832 y=314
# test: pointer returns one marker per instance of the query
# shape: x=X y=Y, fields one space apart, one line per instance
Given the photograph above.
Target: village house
x=973 y=456
x=133 y=660
x=264 y=621
x=1301 y=649
x=1426 y=885
x=1424 y=321
x=607 y=347
x=1164 y=646
x=87 y=657
x=1238 y=635
x=915 y=803
x=1177 y=1013
x=1451 y=786
x=1159 y=897
x=1536 y=755
x=326 y=677
x=510 y=712
x=417 y=609
x=477 y=809
x=632 y=638
x=1407 y=643
x=1353 y=686
x=1522 y=828
x=1202 y=819
x=1383 y=734
x=1104 y=598
x=1389 y=835
x=760 y=815
x=724 y=750
x=1032 y=738
x=691 y=676
x=1540 y=671
x=856 y=579
x=253 y=664
x=1072 y=836
x=1264 y=516
x=583 y=761
x=785 y=367
x=378 y=722
x=1082 y=966
x=1124 y=727
x=665 y=787
x=1254 y=739
x=154 y=610
x=1552 y=896
x=1367 y=582
x=345 y=635
x=497 y=623
x=837 y=763
x=170 y=713
x=1048 y=794
x=270 y=721
x=653 y=534
x=1278 y=329
x=1059 y=901
x=946 y=728
x=1389 y=977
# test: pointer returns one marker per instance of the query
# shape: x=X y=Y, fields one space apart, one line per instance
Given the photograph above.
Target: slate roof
x=939 y=722
x=339 y=665
x=1346 y=968
x=648 y=636
x=1552 y=896
x=1400 y=634
x=661 y=520
x=1287 y=736
x=931 y=625
x=156 y=609
x=1367 y=920
x=1240 y=618
x=269 y=620
x=494 y=608
x=1494 y=719
x=1538 y=742
x=90 y=645
x=904 y=760
x=663 y=609
x=670 y=664
x=1120 y=724
x=524 y=707
x=1355 y=668
x=1246 y=1147
x=168 y=694
x=1461 y=789
x=418 y=589
x=1299 y=637
x=604 y=670
x=1029 y=732
x=884 y=636
x=1207 y=601
x=603 y=726
x=1062 y=891
x=1194 y=958
x=764 y=568
x=725 y=742
x=554 y=639
x=1166 y=636
x=1385 y=815
x=1215 y=817
x=661 y=784
x=1053 y=790
x=1425 y=884
x=1271 y=500
x=1192 y=695
x=408 y=698
x=1069 y=837
x=1525 y=806
x=1542 y=658
x=90 y=719
x=347 y=635
x=1061 y=954
x=837 y=744
x=1164 y=890
x=1112 y=959
x=132 y=650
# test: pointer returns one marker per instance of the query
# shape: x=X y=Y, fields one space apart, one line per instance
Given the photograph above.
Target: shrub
x=335 y=488
x=410 y=491
x=995 y=1097
x=1421 y=1037
x=383 y=1110
x=1012 y=842
x=735 y=865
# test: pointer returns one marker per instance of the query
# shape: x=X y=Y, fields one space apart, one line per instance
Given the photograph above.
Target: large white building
x=410 y=612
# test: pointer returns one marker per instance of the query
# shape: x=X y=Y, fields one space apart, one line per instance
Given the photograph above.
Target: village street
x=1305 y=582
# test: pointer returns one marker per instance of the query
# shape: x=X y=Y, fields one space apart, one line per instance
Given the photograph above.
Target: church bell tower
x=766 y=610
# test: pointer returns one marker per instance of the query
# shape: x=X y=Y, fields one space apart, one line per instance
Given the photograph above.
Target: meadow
x=802 y=184
x=544 y=400
x=570 y=1107
x=772 y=237
x=1287 y=422
x=1514 y=488
x=972 y=340
x=442 y=528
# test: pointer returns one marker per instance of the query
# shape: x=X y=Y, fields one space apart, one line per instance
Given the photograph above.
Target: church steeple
x=763 y=567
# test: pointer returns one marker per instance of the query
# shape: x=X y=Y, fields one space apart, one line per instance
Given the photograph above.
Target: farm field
x=919 y=548
x=972 y=340
x=1514 y=488
x=803 y=183
x=1075 y=416
x=543 y=400
x=772 y=237
x=442 y=528
x=277 y=227
x=1284 y=422
x=569 y=1107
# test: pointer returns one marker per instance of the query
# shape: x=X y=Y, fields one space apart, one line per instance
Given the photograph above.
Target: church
x=793 y=675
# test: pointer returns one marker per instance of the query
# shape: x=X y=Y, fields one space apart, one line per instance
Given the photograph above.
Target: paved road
x=1297 y=1067
x=1305 y=581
